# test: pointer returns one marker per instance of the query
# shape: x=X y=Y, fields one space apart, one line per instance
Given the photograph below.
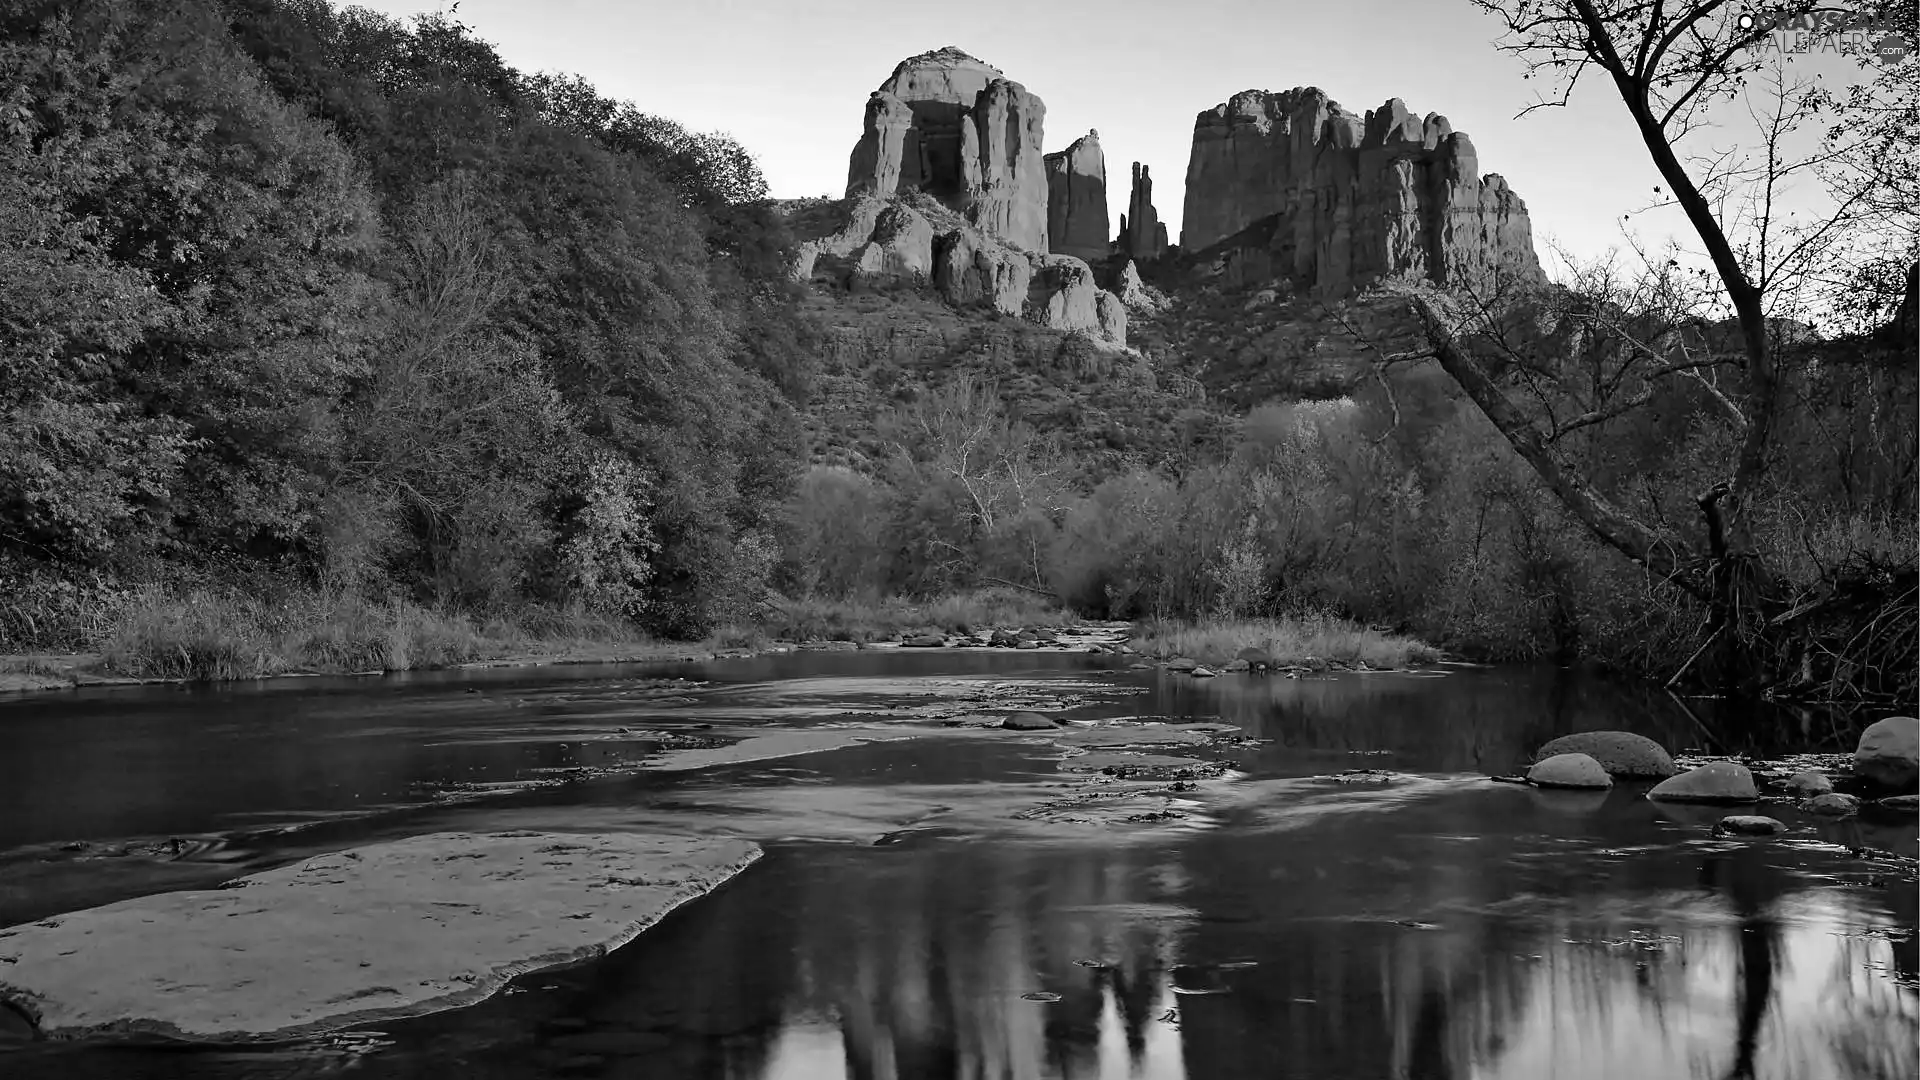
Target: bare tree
x=1548 y=371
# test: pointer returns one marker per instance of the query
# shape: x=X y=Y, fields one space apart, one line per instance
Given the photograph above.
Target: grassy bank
x=211 y=636
x=1290 y=640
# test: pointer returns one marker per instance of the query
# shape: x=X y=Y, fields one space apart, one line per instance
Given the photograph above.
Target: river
x=934 y=903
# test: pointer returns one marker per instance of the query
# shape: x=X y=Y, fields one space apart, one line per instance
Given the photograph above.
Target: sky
x=789 y=79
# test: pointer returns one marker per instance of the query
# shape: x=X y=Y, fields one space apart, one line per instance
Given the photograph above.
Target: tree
x=1720 y=338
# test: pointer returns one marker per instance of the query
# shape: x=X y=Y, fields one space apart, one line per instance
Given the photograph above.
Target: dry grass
x=1289 y=640
x=210 y=636
x=207 y=636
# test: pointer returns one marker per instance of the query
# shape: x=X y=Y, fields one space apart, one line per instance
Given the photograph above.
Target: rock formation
x=1077 y=200
x=1356 y=198
x=1142 y=235
x=917 y=240
x=959 y=130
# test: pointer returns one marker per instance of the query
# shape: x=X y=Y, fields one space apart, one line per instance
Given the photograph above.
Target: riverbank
x=202 y=640
x=205 y=638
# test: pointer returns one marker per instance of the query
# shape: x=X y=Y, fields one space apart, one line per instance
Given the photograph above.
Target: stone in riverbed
x=1748 y=825
x=1028 y=721
x=924 y=641
x=375 y=933
x=1181 y=663
x=1569 y=771
x=1807 y=783
x=1623 y=754
x=1202 y=673
x=1888 y=756
x=1718 y=782
x=1832 y=804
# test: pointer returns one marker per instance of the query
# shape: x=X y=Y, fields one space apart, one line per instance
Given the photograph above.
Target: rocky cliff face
x=957 y=129
x=1356 y=198
x=1077 y=200
x=1142 y=235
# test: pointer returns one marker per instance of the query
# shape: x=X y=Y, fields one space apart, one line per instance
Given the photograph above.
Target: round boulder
x=1182 y=663
x=1888 y=756
x=1569 y=771
x=1028 y=721
x=924 y=641
x=1719 y=782
x=1807 y=783
x=1202 y=673
x=1623 y=754
x=1832 y=804
x=1748 y=825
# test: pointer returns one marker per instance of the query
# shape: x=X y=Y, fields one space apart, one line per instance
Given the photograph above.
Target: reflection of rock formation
x=934 y=989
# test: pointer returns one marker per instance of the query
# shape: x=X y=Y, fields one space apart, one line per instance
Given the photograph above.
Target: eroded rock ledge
x=397 y=929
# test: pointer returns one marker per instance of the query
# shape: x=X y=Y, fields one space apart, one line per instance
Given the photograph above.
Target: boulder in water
x=1028 y=721
x=1569 y=771
x=1623 y=754
x=1807 y=783
x=1832 y=804
x=1888 y=757
x=1748 y=825
x=1718 y=782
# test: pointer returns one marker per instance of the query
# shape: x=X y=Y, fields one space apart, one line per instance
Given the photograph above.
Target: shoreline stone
x=390 y=930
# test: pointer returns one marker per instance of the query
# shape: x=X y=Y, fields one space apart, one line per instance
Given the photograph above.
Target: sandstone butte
x=948 y=187
x=1077 y=200
x=1347 y=200
x=957 y=128
x=390 y=930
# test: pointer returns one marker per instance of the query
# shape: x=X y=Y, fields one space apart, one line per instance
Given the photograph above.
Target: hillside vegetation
x=324 y=333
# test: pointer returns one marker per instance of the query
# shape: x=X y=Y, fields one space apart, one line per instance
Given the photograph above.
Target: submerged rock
x=1718 y=782
x=1808 y=783
x=1624 y=755
x=1569 y=771
x=1748 y=825
x=1888 y=756
x=1832 y=804
x=391 y=930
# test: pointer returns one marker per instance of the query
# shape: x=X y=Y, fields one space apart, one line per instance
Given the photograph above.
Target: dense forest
x=314 y=318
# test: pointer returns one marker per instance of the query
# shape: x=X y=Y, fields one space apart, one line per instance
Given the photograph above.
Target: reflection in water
x=1436 y=927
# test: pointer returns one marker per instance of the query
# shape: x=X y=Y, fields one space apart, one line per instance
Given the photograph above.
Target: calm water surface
x=905 y=924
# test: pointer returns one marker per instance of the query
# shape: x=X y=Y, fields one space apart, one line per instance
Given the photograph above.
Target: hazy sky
x=789 y=79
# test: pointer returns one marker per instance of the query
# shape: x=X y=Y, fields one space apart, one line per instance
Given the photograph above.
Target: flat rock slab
x=766 y=748
x=397 y=929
